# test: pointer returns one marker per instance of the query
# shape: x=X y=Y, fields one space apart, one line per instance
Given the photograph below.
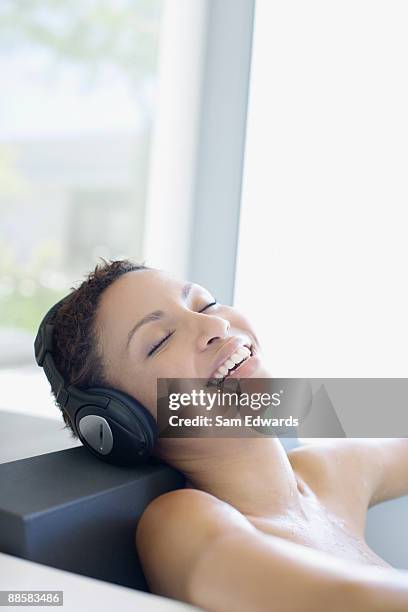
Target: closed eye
x=208 y=305
x=154 y=347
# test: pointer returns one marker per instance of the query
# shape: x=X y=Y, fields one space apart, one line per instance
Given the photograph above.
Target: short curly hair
x=75 y=347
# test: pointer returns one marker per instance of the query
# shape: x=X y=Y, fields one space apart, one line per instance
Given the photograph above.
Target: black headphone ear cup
x=123 y=433
x=135 y=407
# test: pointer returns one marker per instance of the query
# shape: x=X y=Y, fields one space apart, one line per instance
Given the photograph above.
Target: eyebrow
x=156 y=315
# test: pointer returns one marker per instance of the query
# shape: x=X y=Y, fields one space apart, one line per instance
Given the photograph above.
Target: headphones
x=111 y=424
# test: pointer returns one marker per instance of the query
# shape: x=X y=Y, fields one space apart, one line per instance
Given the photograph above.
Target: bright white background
x=323 y=250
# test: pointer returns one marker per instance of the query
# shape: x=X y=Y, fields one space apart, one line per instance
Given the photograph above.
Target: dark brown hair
x=75 y=347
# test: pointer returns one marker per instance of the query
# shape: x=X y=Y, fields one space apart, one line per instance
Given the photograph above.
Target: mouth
x=218 y=378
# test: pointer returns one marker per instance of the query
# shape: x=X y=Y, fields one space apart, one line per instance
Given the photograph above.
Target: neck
x=254 y=475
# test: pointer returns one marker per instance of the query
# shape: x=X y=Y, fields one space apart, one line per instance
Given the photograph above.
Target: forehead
x=135 y=292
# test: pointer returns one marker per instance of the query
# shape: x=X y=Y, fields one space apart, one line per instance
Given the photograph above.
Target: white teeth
x=242 y=352
x=239 y=355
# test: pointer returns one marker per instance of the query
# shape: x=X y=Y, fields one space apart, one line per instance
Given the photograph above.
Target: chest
x=323 y=531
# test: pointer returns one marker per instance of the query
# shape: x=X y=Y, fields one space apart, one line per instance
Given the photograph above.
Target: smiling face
x=151 y=325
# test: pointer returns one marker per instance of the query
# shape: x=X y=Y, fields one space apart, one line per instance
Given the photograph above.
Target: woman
x=256 y=529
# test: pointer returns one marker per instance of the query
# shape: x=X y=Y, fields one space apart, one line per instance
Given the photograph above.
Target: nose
x=213 y=328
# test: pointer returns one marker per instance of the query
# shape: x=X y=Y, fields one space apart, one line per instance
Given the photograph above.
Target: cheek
x=161 y=366
x=179 y=362
x=181 y=367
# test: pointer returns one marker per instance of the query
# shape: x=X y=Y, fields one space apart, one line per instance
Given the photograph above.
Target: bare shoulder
x=174 y=531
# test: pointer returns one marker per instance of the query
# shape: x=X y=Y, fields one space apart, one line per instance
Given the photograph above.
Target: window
x=78 y=84
x=322 y=248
